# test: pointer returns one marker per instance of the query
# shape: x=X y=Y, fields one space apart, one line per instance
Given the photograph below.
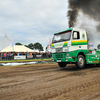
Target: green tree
x=26 y=45
x=31 y=46
x=18 y=43
x=38 y=46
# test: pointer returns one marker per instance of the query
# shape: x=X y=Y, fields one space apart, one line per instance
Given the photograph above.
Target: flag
x=12 y=42
x=49 y=46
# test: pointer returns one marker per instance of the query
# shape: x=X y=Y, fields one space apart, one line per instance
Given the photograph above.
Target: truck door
x=75 y=41
x=78 y=41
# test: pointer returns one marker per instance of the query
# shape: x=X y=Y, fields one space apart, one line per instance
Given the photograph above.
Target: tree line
x=36 y=46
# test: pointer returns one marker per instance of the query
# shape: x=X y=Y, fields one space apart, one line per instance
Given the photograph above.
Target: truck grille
x=59 y=55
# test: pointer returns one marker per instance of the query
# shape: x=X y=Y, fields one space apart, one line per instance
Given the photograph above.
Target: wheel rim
x=81 y=61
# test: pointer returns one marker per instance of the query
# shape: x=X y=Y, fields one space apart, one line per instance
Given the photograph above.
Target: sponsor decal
x=19 y=57
x=29 y=56
x=78 y=42
x=56 y=45
x=90 y=61
x=65 y=44
x=38 y=55
x=83 y=36
x=93 y=52
x=95 y=61
x=60 y=44
x=52 y=45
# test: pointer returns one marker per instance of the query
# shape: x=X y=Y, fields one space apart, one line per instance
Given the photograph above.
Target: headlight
x=67 y=54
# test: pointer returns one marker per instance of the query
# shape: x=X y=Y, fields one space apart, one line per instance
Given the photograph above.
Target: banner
x=19 y=57
x=29 y=56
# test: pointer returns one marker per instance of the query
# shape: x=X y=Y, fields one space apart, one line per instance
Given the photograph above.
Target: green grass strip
x=26 y=60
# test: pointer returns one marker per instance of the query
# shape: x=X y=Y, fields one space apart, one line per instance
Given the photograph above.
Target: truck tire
x=80 y=61
x=62 y=64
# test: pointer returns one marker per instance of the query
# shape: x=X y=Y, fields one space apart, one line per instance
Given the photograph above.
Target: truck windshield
x=64 y=36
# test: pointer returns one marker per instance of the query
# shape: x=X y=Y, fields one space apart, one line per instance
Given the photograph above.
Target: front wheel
x=62 y=64
x=80 y=61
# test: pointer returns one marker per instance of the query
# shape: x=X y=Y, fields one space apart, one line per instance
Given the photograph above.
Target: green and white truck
x=71 y=46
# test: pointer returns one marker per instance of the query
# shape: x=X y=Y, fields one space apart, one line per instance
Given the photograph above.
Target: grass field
x=25 y=60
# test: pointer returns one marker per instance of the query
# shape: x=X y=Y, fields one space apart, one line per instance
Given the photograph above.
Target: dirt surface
x=49 y=82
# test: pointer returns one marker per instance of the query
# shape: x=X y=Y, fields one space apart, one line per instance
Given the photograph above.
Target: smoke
x=91 y=8
x=72 y=19
x=98 y=27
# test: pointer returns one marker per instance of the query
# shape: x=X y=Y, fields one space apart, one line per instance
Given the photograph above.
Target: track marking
x=88 y=96
x=42 y=70
x=16 y=83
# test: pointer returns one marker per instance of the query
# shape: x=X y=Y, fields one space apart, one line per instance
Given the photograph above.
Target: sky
x=31 y=21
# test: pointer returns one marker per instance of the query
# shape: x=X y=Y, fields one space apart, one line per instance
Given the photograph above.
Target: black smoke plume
x=91 y=8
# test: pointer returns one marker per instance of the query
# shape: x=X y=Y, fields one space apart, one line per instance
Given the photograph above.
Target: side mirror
x=75 y=35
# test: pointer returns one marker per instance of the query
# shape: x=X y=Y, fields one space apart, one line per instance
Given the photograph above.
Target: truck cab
x=70 y=46
x=69 y=40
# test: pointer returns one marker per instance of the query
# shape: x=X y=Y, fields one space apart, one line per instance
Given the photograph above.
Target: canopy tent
x=5 y=42
x=17 y=48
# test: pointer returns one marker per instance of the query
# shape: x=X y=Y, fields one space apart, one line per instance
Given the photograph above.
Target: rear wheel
x=80 y=61
x=62 y=64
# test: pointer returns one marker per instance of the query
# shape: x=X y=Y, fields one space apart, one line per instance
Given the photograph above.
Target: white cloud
x=31 y=21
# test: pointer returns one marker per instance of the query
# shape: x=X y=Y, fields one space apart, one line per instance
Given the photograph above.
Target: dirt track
x=49 y=82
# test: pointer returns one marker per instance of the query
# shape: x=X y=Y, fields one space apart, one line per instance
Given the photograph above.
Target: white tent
x=5 y=42
x=17 y=48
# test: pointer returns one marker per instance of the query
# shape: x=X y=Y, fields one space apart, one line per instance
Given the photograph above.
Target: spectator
x=26 y=55
x=2 y=56
x=18 y=54
x=5 y=56
x=8 y=56
x=11 y=56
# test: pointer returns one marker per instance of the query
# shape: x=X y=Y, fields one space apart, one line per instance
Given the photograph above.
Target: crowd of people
x=29 y=55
